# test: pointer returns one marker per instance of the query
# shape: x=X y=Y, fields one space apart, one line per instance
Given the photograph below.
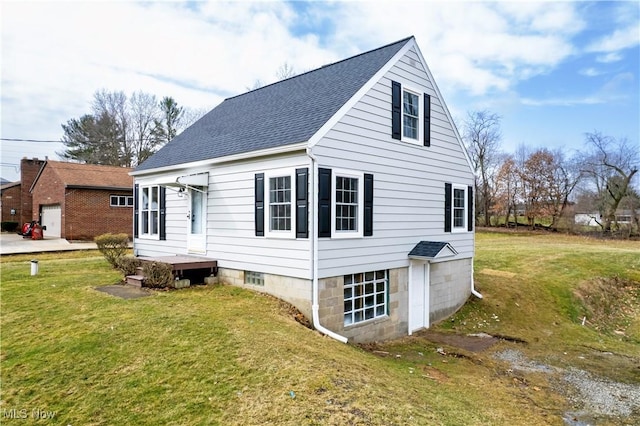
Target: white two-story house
x=345 y=191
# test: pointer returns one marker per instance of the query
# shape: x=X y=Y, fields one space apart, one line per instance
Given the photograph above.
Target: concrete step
x=135 y=280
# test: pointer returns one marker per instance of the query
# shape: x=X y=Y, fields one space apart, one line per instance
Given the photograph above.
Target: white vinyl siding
x=408 y=202
x=230 y=229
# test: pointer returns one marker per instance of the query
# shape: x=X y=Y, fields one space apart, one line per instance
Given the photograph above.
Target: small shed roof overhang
x=431 y=250
x=194 y=182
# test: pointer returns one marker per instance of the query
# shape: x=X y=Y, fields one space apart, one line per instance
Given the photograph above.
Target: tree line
x=123 y=130
x=540 y=185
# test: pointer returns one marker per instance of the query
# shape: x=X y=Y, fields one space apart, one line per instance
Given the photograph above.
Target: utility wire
x=27 y=140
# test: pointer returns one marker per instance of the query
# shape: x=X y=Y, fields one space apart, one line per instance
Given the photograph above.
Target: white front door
x=418 y=295
x=197 y=235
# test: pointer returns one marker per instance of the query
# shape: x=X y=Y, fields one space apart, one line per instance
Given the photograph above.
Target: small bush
x=157 y=274
x=128 y=264
x=112 y=246
x=9 y=226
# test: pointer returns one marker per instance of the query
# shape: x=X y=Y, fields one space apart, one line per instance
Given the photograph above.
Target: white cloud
x=56 y=54
x=614 y=90
x=589 y=72
x=618 y=40
x=609 y=57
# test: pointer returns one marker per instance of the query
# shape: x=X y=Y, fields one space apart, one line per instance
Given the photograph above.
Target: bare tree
x=190 y=116
x=506 y=189
x=123 y=131
x=482 y=139
x=114 y=106
x=610 y=165
x=143 y=113
x=285 y=71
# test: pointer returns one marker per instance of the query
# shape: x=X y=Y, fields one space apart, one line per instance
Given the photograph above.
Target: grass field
x=223 y=355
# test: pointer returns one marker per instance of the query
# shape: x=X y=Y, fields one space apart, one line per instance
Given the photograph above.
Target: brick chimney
x=29 y=168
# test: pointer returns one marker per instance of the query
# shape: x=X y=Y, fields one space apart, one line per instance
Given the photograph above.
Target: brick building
x=10 y=202
x=15 y=196
x=81 y=201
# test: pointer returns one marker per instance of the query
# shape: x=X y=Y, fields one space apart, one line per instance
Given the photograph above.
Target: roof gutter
x=226 y=159
x=314 y=248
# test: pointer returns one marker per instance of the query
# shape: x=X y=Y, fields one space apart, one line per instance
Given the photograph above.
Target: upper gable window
x=410 y=115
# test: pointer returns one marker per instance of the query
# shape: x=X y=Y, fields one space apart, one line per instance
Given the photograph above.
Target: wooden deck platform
x=181 y=263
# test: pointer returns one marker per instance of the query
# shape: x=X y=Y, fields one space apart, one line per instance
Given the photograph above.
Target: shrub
x=128 y=265
x=9 y=226
x=112 y=246
x=157 y=274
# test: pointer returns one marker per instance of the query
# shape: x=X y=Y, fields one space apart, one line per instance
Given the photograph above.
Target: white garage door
x=52 y=219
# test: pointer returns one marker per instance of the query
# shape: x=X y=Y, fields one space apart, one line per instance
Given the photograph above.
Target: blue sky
x=551 y=70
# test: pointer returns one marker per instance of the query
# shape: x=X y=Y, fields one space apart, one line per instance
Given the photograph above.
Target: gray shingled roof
x=429 y=249
x=283 y=113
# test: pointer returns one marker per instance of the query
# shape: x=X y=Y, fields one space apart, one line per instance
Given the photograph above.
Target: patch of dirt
x=495 y=273
x=475 y=343
x=292 y=311
x=124 y=291
x=610 y=304
x=434 y=374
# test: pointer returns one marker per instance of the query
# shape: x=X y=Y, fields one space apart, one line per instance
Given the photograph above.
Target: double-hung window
x=410 y=115
x=459 y=208
x=280 y=211
x=149 y=211
x=348 y=209
x=281 y=207
x=365 y=296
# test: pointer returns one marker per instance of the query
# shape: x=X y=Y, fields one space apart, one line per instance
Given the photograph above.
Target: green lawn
x=223 y=355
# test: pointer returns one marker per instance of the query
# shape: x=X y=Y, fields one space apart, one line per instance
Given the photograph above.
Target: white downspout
x=315 y=306
x=473 y=288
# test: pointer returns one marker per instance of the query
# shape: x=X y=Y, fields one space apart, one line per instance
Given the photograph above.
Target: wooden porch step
x=135 y=280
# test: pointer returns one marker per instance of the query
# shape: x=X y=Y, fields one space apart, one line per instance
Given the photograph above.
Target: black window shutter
x=368 y=205
x=427 y=120
x=259 y=204
x=302 y=203
x=136 y=212
x=396 y=110
x=324 y=202
x=163 y=213
x=447 y=207
x=470 y=205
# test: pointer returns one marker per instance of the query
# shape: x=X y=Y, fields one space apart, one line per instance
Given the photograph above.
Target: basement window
x=365 y=296
x=254 y=278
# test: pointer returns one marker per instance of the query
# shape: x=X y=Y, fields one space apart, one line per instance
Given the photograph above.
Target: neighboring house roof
x=75 y=175
x=8 y=185
x=4 y=181
x=283 y=113
x=432 y=250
